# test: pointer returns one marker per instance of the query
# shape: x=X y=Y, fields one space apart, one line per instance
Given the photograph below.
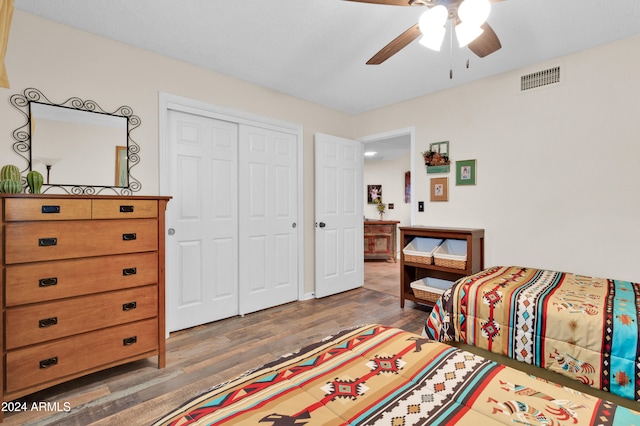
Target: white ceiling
x=317 y=49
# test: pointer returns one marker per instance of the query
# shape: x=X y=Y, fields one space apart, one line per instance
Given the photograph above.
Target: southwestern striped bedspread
x=583 y=327
x=377 y=375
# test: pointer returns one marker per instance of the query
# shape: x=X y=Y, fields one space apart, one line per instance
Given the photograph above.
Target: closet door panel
x=268 y=218
x=203 y=249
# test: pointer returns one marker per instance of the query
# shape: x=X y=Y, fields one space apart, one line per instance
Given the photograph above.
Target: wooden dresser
x=380 y=239
x=82 y=286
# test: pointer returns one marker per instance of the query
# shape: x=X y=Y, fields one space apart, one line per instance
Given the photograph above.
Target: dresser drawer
x=17 y=209
x=378 y=229
x=26 y=325
x=37 y=241
x=123 y=209
x=44 y=281
x=53 y=361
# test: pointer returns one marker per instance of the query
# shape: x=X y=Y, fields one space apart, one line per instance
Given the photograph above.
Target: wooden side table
x=380 y=239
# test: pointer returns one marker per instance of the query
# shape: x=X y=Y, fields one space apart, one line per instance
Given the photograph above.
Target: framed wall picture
x=466 y=172
x=407 y=187
x=440 y=189
x=374 y=193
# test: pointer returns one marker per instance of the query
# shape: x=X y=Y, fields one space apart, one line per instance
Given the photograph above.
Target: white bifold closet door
x=232 y=248
x=268 y=219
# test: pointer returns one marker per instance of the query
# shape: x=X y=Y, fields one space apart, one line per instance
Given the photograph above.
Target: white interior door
x=202 y=261
x=268 y=218
x=339 y=220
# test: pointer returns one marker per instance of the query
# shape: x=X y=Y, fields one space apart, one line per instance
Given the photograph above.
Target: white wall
x=557 y=185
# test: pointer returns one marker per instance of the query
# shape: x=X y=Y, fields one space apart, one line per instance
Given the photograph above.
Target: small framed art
x=440 y=189
x=466 y=172
x=374 y=194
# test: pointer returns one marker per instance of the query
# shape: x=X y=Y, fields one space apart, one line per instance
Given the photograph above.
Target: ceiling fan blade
x=387 y=2
x=487 y=43
x=395 y=46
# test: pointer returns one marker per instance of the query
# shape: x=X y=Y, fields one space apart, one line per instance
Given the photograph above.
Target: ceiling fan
x=468 y=24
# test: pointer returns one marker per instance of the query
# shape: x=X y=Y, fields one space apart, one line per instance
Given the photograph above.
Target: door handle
x=322 y=224
x=171 y=231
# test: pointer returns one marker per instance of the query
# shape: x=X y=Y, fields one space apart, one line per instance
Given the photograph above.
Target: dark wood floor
x=199 y=358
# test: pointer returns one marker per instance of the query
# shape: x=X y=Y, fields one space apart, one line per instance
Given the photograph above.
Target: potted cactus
x=10 y=181
x=34 y=180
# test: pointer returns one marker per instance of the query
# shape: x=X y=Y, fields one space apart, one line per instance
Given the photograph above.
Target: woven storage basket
x=430 y=289
x=451 y=254
x=454 y=264
x=420 y=250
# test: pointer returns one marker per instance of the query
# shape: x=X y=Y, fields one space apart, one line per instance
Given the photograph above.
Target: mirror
x=76 y=145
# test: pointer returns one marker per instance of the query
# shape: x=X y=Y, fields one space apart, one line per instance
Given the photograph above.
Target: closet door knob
x=322 y=225
x=171 y=231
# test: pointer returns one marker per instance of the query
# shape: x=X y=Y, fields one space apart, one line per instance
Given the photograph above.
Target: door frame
x=167 y=101
x=411 y=132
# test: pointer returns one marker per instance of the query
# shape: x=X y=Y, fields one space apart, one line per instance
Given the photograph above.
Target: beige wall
x=557 y=184
x=63 y=62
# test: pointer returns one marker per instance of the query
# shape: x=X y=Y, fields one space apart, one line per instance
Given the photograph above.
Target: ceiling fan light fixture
x=433 y=40
x=466 y=33
x=474 y=12
x=431 y=26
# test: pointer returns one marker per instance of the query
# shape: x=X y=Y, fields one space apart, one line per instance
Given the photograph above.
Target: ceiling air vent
x=540 y=79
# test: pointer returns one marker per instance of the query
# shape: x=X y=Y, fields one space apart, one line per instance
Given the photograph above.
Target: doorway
x=389 y=167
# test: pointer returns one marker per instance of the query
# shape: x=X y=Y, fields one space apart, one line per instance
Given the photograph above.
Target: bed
x=379 y=375
x=582 y=327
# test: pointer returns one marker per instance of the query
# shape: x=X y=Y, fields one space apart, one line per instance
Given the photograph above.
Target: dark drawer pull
x=47 y=242
x=48 y=282
x=48 y=322
x=129 y=306
x=129 y=341
x=46 y=363
x=128 y=237
x=129 y=271
x=126 y=209
x=50 y=209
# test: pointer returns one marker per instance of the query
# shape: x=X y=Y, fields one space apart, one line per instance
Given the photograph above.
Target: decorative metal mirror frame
x=22 y=137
